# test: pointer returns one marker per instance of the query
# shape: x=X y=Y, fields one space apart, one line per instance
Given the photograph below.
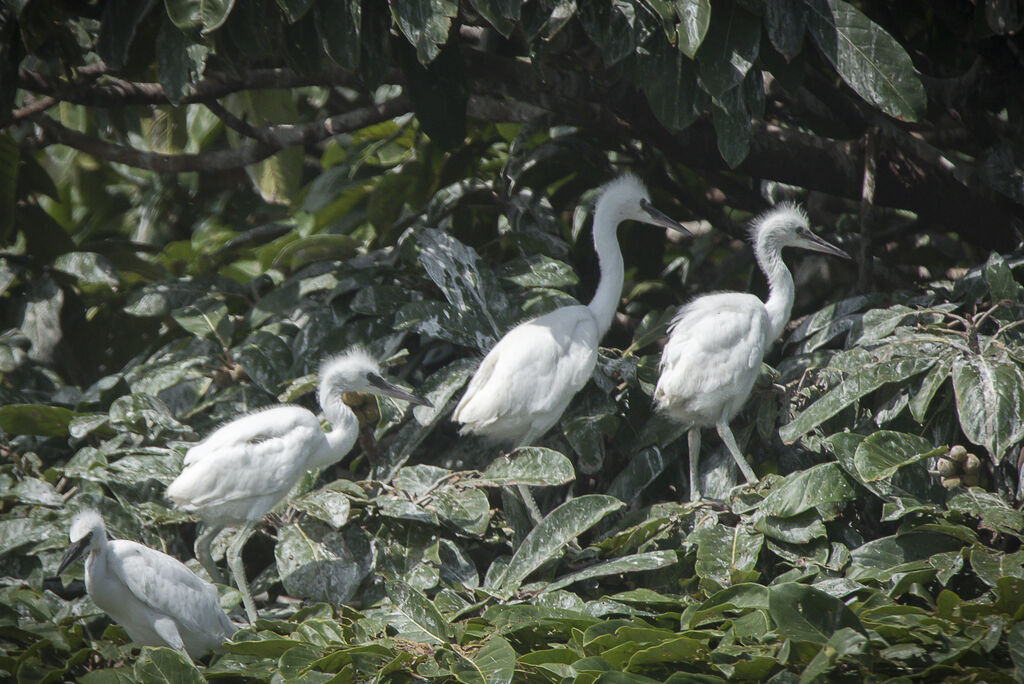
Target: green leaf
x=319 y=563
x=821 y=484
x=294 y=9
x=785 y=22
x=501 y=14
x=852 y=388
x=732 y=126
x=990 y=402
x=867 y=58
x=878 y=557
x=425 y=23
x=493 y=663
x=119 y=23
x=807 y=614
x=556 y=530
x=35 y=419
x=338 y=22
x=332 y=507
x=417 y=608
x=532 y=466
x=636 y=563
x=206 y=318
x=538 y=270
x=844 y=642
x=729 y=49
x=930 y=384
x=165 y=666
x=999 y=278
x=466 y=509
x=1015 y=641
x=438 y=94
x=204 y=15
x=9 y=160
x=725 y=555
x=179 y=61
x=610 y=26
x=884 y=452
x=669 y=80
x=88 y=267
x=694 y=19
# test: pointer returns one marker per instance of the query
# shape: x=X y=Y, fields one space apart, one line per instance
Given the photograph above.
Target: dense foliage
x=202 y=200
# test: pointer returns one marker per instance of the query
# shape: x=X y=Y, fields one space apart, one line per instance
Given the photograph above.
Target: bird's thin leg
x=730 y=442
x=238 y=570
x=202 y=547
x=167 y=630
x=693 y=440
x=531 y=504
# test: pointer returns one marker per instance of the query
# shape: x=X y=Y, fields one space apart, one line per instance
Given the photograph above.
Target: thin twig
x=867 y=208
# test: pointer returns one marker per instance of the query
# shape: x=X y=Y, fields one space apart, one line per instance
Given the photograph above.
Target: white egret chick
x=242 y=470
x=529 y=377
x=717 y=341
x=157 y=600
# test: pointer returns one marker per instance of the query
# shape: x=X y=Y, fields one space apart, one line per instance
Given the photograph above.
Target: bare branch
x=277 y=138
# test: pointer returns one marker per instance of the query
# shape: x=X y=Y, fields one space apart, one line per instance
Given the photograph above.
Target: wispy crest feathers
x=357 y=356
x=782 y=213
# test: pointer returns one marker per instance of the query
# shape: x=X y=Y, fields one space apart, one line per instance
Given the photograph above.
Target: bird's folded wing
x=254 y=427
x=167 y=587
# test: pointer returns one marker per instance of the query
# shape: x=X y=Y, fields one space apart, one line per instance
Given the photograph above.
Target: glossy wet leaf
x=807 y=614
x=990 y=402
x=883 y=453
x=556 y=530
x=534 y=466
x=35 y=419
x=820 y=484
x=869 y=59
x=419 y=610
x=316 y=562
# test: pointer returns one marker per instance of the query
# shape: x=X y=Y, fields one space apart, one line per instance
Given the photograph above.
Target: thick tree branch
x=277 y=137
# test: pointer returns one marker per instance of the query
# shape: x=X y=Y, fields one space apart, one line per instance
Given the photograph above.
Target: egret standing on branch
x=241 y=471
x=526 y=381
x=716 y=342
x=157 y=600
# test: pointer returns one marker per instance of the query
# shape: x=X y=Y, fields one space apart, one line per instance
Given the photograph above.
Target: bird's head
x=626 y=199
x=787 y=225
x=357 y=371
x=87 y=531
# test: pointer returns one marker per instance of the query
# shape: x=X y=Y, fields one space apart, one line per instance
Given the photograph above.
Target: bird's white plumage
x=157 y=600
x=526 y=381
x=244 y=468
x=528 y=378
x=241 y=471
x=716 y=342
x=708 y=376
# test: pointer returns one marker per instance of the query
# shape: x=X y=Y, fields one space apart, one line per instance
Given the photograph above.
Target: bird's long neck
x=780 y=284
x=343 y=433
x=609 y=256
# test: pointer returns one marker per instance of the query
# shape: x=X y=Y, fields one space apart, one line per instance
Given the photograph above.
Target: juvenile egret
x=242 y=470
x=716 y=342
x=157 y=600
x=528 y=378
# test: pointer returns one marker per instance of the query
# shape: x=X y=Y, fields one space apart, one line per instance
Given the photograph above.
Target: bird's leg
x=167 y=630
x=693 y=441
x=202 y=548
x=730 y=443
x=238 y=570
x=531 y=504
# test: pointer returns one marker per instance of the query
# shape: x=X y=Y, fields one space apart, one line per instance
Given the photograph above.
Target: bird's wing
x=534 y=368
x=254 y=427
x=249 y=462
x=167 y=587
x=713 y=341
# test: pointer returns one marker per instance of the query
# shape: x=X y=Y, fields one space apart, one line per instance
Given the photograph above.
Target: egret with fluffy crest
x=242 y=470
x=717 y=341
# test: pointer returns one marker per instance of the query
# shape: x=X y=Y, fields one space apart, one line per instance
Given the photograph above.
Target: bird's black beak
x=387 y=389
x=817 y=244
x=75 y=550
x=657 y=218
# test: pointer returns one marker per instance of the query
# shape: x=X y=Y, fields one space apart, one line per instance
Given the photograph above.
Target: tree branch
x=277 y=137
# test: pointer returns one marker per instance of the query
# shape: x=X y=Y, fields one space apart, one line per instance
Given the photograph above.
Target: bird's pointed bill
x=657 y=218
x=817 y=244
x=75 y=550
x=387 y=389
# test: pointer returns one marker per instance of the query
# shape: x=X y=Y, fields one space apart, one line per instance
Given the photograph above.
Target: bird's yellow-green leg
x=202 y=548
x=693 y=441
x=730 y=443
x=238 y=570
